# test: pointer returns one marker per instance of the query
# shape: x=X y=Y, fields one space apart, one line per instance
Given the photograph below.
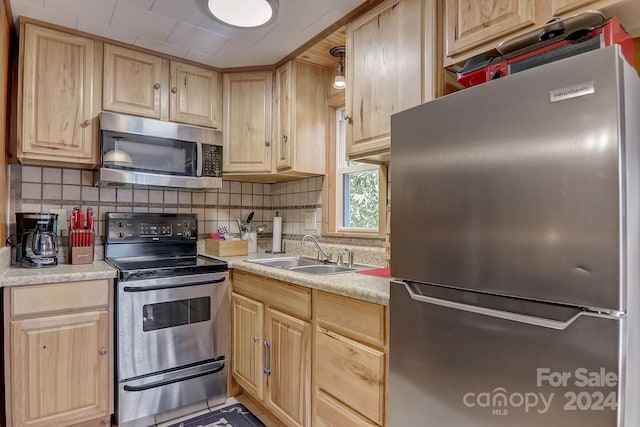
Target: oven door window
x=148 y=154
x=175 y=313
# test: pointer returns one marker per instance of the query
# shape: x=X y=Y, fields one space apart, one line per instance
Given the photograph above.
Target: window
x=357 y=187
x=353 y=194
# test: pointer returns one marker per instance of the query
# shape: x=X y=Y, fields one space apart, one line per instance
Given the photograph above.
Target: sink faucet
x=349 y=253
x=322 y=255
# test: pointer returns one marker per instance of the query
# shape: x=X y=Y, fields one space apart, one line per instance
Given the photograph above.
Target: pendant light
x=339 y=81
x=244 y=13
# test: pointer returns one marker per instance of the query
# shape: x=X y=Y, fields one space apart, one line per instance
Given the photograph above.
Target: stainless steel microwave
x=148 y=152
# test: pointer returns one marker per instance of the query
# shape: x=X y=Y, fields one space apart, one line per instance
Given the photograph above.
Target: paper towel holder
x=277 y=247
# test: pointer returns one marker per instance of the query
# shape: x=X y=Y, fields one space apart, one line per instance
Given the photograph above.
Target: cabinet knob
x=256 y=339
x=156 y=86
x=174 y=90
x=103 y=351
x=285 y=138
x=267 y=144
x=86 y=123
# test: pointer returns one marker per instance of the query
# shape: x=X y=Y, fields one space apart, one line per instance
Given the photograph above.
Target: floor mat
x=230 y=416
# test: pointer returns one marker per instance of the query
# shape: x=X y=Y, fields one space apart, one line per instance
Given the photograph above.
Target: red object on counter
x=90 y=219
x=379 y=272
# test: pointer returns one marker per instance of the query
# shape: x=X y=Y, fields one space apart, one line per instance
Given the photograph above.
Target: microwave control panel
x=212 y=160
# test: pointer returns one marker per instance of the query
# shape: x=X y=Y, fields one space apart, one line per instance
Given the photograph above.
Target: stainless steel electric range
x=172 y=309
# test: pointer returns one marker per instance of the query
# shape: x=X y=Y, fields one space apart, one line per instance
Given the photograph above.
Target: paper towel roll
x=277 y=234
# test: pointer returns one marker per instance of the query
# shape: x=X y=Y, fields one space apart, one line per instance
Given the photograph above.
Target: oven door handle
x=174 y=380
x=177 y=285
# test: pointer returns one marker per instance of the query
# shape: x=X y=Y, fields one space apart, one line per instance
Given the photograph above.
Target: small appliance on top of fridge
x=516 y=241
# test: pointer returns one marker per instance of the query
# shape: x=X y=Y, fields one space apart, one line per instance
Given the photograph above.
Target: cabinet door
x=384 y=63
x=471 y=23
x=195 y=95
x=247 y=122
x=61 y=87
x=330 y=413
x=247 y=336
x=132 y=82
x=60 y=369
x=283 y=119
x=351 y=372
x=560 y=7
x=288 y=391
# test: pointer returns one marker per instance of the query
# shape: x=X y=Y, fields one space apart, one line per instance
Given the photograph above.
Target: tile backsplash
x=39 y=189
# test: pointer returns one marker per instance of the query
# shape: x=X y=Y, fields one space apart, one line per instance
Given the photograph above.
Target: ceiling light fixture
x=339 y=82
x=244 y=13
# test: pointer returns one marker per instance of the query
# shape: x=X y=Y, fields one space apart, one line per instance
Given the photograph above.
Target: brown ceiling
x=319 y=53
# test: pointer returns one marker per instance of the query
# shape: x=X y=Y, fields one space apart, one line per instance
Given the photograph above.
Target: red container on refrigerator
x=557 y=40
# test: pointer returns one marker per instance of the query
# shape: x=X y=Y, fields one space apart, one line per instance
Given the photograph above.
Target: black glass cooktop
x=149 y=267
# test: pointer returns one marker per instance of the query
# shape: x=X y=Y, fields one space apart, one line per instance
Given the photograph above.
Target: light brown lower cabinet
x=59 y=358
x=272 y=353
x=331 y=413
x=271 y=345
x=350 y=362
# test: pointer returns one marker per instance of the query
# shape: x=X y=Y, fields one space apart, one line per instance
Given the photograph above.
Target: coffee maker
x=36 y=239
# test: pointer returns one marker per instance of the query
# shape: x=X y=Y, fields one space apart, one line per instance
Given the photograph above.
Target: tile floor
x=230 y=401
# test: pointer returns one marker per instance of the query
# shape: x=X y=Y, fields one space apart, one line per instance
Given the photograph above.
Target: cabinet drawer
x=330 y=413
x=59 y=297
x=356 y=319
x=351 y=372
x=290 y=299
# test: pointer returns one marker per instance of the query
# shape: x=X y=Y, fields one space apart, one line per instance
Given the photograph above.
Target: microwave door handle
x=200 y=159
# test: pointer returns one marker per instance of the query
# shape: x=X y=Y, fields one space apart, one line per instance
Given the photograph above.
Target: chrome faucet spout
x=322 y=255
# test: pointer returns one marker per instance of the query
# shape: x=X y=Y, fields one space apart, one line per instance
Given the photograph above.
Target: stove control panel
x=150 y=227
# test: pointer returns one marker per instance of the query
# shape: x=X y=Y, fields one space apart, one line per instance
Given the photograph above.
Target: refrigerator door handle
x=507 y=315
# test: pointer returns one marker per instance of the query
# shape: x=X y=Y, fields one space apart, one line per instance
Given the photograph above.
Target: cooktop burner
x=145 y=268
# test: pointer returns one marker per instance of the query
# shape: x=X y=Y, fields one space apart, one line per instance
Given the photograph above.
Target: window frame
x=331 y=190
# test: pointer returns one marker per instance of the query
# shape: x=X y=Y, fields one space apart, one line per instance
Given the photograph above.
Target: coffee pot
x=41 y=244
x=36 y=239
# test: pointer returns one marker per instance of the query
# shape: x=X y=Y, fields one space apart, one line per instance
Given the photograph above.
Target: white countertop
x=355 y=285
x=18 y=276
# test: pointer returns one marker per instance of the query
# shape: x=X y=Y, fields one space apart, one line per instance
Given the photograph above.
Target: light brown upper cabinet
x=150 y=86
x=133 y=82
x=301 y=118
x=390 y=67
x=473 y=27
x=195 y=95
x=570 y=7
x=59 y=97
x=247 y=122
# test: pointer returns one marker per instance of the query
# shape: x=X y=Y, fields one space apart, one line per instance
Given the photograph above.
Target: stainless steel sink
x=303 y=265
x=323 y=269
x=287 y=262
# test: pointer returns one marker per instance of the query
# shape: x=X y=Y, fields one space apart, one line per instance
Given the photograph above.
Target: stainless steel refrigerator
x=515 y=233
